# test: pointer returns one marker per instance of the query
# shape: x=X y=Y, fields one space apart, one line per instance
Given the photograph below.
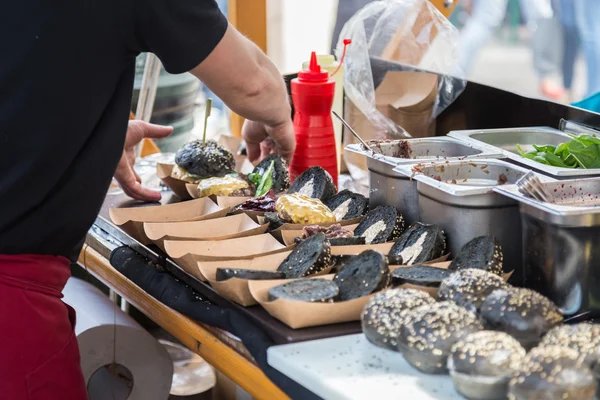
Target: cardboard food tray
x=234 y=226
x=223 y=201
x=258 y=216
x=163 y=171
x=289 y=235
x=132 y=219
x=236 y=289
x=298 y=314
x=295 y=227
x=187 y=253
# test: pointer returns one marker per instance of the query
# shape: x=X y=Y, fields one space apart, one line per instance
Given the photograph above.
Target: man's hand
x=262 y=140
x=128 y=179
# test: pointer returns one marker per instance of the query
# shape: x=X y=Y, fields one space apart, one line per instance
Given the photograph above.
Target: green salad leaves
x=263 y=182
x=582 y=151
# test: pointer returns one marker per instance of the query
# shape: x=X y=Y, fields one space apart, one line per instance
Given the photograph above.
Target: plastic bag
x=398 y=35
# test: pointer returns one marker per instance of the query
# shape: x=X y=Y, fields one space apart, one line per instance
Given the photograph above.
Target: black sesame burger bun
x=487 y=353
x=348 y=205
x=274 y=221
x=552 y=373
x=382 y=317
x=482 y=363
x=470 y=287
x=418 y=244
x=309 y=257
x=362 y=275
x=522 y=313
x=205 y=161
x=429 y=331
x=419 y=275
x=281 y=175
x=308 y=290
x=315 y=182
x=583 y=338
x=380 y=225
x=224 y=274
x=483 y=252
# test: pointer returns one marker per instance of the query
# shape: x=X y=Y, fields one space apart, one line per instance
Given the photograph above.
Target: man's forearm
x=246 y=80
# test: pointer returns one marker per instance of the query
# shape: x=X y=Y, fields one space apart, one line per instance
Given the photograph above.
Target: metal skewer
x=530 y=185
x=352 y=131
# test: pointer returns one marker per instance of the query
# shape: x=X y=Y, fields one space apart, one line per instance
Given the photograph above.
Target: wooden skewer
x=146 y=100
x=206 y=115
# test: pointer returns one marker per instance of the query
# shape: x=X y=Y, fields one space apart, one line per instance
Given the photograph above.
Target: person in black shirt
x=66 y=80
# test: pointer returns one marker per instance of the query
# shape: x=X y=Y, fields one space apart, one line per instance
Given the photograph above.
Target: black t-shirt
x=66 y=80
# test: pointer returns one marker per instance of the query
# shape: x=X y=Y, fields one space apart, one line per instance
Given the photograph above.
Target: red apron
x=39 y=356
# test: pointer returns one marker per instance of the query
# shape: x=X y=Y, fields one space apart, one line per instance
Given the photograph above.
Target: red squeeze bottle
x=312 y=95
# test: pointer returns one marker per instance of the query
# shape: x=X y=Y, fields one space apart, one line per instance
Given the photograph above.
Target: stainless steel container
x=392 y=188
x=458 y=196
x=561 y=243
x=506 y=141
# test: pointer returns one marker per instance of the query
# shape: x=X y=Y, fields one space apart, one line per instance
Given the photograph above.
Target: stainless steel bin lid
x=506 y=140
x=576 y=203
x=468 y=183
x=406 y=151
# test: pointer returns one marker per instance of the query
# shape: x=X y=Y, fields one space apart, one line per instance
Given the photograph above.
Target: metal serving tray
x=392 y=188
x=459 y=197
x=506 y=141
x=406 y=151
x=561 y=243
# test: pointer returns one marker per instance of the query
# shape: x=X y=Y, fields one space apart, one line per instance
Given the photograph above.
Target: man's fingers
x=138 y=178
x=135 y=190
x=253 y=151
x=285 y=139
x=253 y=133
x=153 y=131
x=139 y=130
x=138 y=192
x=267 y=147
x=130 y=182
x=280 y=138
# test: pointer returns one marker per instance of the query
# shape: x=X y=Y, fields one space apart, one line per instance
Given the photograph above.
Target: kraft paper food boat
x=163 y=171
x=187 y=253
x=213 y=229
x=236 y=289
x=208 y=269
x=223 y=201
x=132 y=219
x=288 y=236
x=299 y=314
x=278 y=233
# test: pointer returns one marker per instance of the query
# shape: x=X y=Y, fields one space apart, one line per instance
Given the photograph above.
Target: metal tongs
x=347 y=125
x=530 y=185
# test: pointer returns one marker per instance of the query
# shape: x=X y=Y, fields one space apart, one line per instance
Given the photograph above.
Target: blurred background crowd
x=551 y=47
x=536 y=48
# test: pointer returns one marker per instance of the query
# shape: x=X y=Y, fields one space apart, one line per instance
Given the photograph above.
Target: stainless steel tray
x=574 y=202
x=506 y=141
x=406 y=151
x=392 y=188
x=561 y=243
x=459 y=179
